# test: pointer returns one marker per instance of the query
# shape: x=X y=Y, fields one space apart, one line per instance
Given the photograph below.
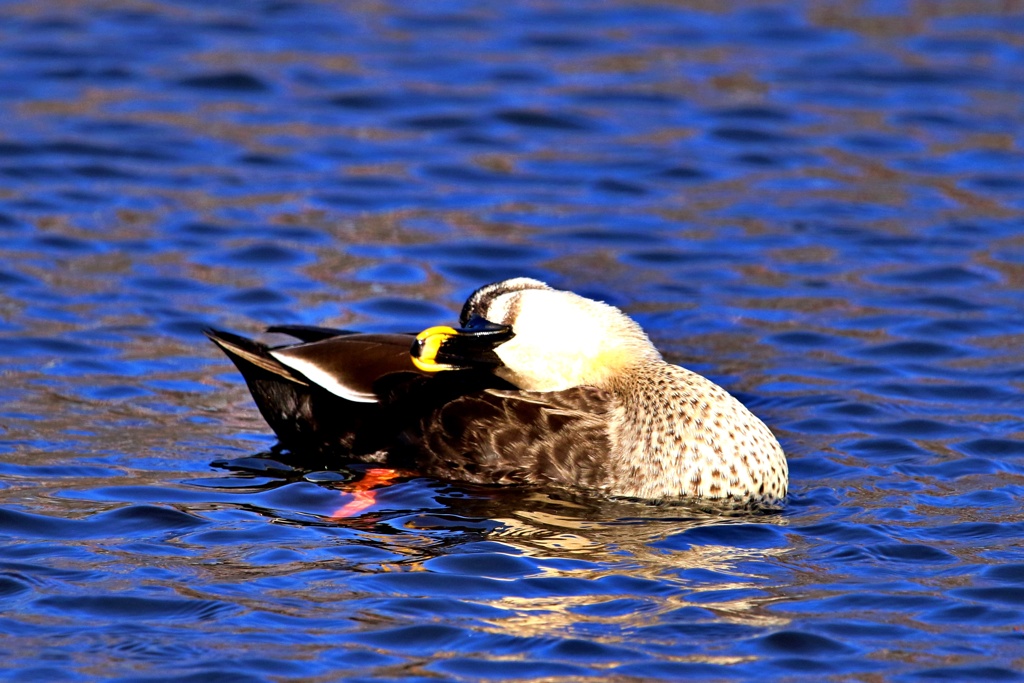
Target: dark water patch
x=699 y=626
x=952 y=469
x=116 y=392
x=942 y=276
x=674 y=671
x=128 y=520
x=540 y=120
x=614 y=608
x=897 y=77
x=428 y=608
x=371 y=183
x=911 y=553
x=136 y=608
x=620 y=187
x=972 y=530
x=366 y=100
x=1009 y=573
x=846 y=533
x=684 y=174
x=439 y=122
x=857 y=602
x=12 y=279
x=42 y=673
x=998 y=183
x=424 y=639
x=103 y=172
x=732 y=535
x=753 y=113
x=12 y=585
x=467 y=174
x=149 y=518
x=35 y=346
x=211 y=674
x=751 y=136
x=44 y=472
x=868 y=631
x=268 y=160
x=856 y=410
x=590 y=652
x=485 y=669
x=996 y=448
x=65 y=243
x=759 y=160
x=978 y=615
x=956 y=393
x=809 y=340
x=559 y=41
x=403 y=308
x=398 y=273
x=230 y=82
x=966 y=673
x=912 y=350
x=803 y=644
x=265 y=254
x=879 y=143
x=1004 y=595
x=485 y=252
x=946 y=303
x=932 y=119
x=80 y=148
x=669 y=257
x=493 y=565
x=164 y=284
x=627 y=97
x=260 y=296
x=918 y=429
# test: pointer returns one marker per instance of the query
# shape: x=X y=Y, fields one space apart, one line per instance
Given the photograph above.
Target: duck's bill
x=447 y=348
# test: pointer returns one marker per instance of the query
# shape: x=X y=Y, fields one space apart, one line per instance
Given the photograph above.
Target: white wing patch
x=323 y=379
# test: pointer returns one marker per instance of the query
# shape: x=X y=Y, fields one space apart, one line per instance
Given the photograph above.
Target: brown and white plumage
x=539 y=387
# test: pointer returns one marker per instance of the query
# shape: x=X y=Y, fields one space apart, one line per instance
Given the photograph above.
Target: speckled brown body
x=676 y=434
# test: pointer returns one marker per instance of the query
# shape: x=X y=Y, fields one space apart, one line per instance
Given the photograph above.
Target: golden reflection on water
x=628 y=549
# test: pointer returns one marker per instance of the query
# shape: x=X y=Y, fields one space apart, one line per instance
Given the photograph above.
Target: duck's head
x=537 y=338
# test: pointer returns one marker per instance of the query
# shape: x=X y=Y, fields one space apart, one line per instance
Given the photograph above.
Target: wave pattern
x=818 y=205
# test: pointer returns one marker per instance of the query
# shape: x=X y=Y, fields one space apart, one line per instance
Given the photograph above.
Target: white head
x=561 y=339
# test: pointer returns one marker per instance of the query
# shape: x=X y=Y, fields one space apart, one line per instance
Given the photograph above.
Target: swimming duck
x=536 y=386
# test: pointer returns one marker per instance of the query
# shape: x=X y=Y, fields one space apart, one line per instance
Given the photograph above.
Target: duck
x=536 y=387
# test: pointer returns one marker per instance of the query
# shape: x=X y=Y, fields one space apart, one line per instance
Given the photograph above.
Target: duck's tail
x=304 y=416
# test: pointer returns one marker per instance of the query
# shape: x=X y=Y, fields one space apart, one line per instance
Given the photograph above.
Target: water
x=818 y=205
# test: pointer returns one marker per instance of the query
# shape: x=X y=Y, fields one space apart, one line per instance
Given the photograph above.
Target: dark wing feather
x=250 y=356
x=350 y=366
x=516 y=437
x=303 y=415
x=309 y=333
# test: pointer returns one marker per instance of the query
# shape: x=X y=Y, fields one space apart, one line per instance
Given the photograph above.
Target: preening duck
x=536 y=386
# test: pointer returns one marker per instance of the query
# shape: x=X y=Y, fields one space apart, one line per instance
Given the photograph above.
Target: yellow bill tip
x=428 y=342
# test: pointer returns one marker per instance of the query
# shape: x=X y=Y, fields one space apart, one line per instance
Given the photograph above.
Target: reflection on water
x=818 y=205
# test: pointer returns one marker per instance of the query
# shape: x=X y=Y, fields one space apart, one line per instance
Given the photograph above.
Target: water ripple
x=818 y=208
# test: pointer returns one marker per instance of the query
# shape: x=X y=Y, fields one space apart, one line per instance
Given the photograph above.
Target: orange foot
x=363 y=491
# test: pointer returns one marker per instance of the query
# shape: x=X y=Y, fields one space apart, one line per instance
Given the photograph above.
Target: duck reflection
x=553 y=562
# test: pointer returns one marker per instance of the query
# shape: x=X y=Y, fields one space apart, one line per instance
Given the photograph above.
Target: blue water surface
x=819 y=205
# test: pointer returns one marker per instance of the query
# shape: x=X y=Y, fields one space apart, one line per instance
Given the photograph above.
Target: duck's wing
x=309 y=333
x=252 y=358
x=350 y=366
x=288 y=385
x=501 y=436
